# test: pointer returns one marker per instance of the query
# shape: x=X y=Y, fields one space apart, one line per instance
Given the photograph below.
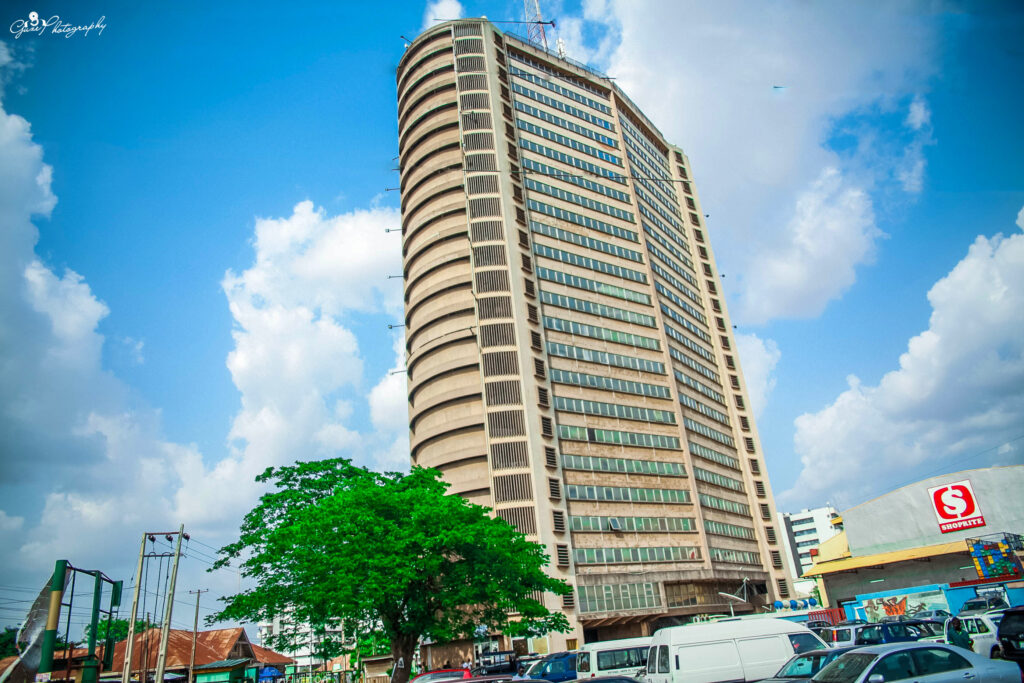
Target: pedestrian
x=956 y=635
x=447 y=664
x=520 y=674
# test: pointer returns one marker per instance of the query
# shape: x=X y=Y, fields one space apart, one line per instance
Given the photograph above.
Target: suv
x=890 y=632
x=1011 y=636
x=982 y=628
x=843 y=633
x=983 y=603
x=560 y=666
x=497 y=663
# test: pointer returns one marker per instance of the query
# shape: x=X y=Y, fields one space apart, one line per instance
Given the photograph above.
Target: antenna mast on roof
x=535 y=23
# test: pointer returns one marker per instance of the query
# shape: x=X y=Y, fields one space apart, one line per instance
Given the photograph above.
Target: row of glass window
x=805 y=544
x=585 y=407
x=703 y=409
x=674 y=298
x=562 y=106
x=585 y=221
x=692 y=364
x=639 y=137
x=673 y=265
x=699 y=386
x=648 y=202
x=675 y=238
x=619 y=596
x=575 y=179
x=805 y=532
x=582 y=379
x=717 y=479
x=687 y=342
x=593 y=286
x=593 y=308
x=605 y=358
x=710 y=433
x=647 y=524
x=580 y=200
x=714 y=456
x=593 y=435
x=723 y=529
x=565 y=92
x=643 y=176
x=686 y=323
x=563 y=123
x=593 y=463
x=588 y=242
x=604 y=333
x=571 y=143
x=589 y=263
x=697 y=332
x=734 y=556
x=548 y=70
x=581 y=164
x=626 y=494
x=634 y=555
x=709 y=501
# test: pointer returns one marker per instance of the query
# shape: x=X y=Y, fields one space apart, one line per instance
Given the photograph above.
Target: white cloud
x=758 y=358
x=957 y=394
x=9 y=523
x=760 y=154
x=1020 y=218
x=832 y=230
x=919 y=115
x=441 y=10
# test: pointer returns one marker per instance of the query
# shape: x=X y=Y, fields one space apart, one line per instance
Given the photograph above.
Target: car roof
x=890 y=647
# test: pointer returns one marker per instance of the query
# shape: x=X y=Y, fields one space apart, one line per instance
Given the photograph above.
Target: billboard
x=904 y=605
x=956 y=506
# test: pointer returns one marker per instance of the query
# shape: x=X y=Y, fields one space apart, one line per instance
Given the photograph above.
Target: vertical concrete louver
x=571 y=360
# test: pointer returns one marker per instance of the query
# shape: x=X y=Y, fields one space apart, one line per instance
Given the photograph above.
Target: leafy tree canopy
x=118 y=629
x=337 y=545
x=8 y=642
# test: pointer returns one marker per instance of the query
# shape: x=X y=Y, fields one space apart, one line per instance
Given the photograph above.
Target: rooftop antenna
x=535 y=23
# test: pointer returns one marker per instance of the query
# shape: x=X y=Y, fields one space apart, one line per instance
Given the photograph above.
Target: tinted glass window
x=870 y=634
x=652 y=659
x=803 y=666
x=935 y=660
x=842 y=635
x=982 y=626
x=803 y=642
x=970 y=626
x=895 y=667
x=557 y=666
x=619 y=659
x=898 y=631
x=1012 y=625
x=846 y=669
x=663 y=659
x=583 y=661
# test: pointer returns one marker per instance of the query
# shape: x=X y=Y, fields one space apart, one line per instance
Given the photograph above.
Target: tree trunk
x=402 y=650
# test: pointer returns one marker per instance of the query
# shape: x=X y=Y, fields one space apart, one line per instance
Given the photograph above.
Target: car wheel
x=996 y=653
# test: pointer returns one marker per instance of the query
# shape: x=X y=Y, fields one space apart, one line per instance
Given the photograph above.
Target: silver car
x=917 y=662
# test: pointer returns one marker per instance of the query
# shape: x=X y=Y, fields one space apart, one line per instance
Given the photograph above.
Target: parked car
x=982 y=628
x=933 y=630
x=612 y=657
x=607 y=679
x=497 y=663
x=442 y=675
x=922 y=662
x=560 y=666
x=841 y=634
x=890 y=632
x=983 y=603
x=1011 y=636
x=805 y=665
x=726 y=650
x=939 y=614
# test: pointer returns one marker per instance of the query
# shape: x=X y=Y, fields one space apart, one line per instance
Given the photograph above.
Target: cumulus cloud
x=832 y=230
x=441 y=10
x=758 y=358
x=760 y=155
x=919 y=115
x=955 y=399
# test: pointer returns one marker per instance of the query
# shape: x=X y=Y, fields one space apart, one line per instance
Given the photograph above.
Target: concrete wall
x=905 y=518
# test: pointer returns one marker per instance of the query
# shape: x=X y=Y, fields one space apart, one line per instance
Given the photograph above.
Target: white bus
x=627 y=656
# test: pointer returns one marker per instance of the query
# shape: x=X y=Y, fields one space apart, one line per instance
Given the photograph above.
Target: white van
x=612 y=657
x=741 y=650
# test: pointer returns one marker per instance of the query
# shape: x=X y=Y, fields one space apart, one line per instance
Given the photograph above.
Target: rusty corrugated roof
x=266 y=656
x=179 y=649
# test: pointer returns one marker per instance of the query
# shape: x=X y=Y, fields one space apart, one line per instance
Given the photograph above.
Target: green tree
x=8 y=642
x=389 y=553
x=118 y=629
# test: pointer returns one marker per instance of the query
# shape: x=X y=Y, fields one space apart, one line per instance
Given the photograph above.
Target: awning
x=850 y=563
x=269 y=672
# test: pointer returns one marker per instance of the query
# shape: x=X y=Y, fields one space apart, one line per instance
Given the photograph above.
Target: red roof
x=269 y=657
x=211 y=646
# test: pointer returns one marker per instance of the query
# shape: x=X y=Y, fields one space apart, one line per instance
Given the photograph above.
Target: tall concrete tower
x=571 y=361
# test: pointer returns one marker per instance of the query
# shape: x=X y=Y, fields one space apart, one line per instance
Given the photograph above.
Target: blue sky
x=197 y=287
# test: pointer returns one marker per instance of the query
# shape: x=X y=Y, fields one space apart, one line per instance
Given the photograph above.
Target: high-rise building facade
x=571 y=362
x=802 y=533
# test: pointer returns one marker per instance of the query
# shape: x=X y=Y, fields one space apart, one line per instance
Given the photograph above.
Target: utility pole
x=144 y=669
x=161 y=658
x=195 y=634
x=130 y=645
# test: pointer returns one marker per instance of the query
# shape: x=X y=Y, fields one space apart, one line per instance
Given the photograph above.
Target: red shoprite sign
x=955 y=506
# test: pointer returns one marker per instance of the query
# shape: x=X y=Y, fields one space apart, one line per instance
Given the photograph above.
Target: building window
x=562 y=555
x=550 y=457
x=558 y=520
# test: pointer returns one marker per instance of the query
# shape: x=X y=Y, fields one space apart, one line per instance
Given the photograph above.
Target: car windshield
x=439 y=676
x=801 y=666
x=846 y=669
x=930 y=629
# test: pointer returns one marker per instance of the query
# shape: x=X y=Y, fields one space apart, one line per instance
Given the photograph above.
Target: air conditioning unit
x=615 y=524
